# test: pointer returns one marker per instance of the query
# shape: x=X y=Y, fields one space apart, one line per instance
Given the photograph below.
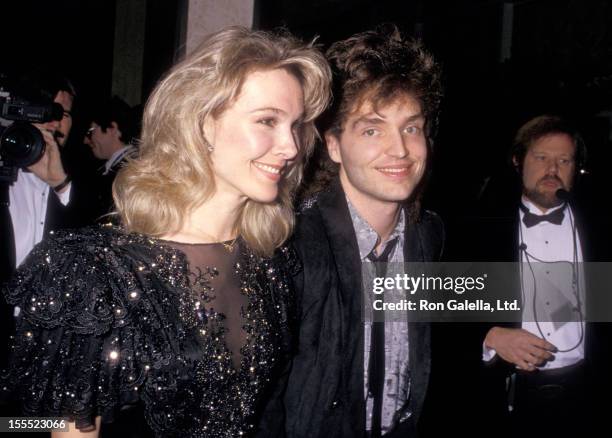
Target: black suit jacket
x=325 y=391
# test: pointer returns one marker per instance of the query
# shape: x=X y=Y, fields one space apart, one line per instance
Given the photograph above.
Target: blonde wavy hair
x=173 y=173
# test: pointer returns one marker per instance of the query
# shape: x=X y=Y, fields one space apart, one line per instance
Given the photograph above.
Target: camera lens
x=21 y=145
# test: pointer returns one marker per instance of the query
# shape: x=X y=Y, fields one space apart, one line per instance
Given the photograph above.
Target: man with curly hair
x=350 y=378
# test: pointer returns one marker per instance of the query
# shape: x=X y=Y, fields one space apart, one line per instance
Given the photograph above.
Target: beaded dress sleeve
x=109 y=320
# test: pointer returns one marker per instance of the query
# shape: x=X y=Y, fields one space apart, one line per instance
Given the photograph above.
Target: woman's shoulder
x=88 y=279
x=100 y=248
x=88 y=313
x=87 y=240
x=83 y=243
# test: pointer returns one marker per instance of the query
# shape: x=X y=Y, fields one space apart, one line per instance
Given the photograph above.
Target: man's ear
x=116 y=130
x=333 y=147
x=515 y=163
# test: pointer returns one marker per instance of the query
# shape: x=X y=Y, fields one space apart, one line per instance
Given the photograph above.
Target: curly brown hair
x=375 y=66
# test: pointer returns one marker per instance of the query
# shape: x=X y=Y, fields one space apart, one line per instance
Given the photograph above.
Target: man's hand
x=519 y=347
x=49 y=168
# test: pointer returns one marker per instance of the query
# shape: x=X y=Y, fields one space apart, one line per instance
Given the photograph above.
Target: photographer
x=39 y=197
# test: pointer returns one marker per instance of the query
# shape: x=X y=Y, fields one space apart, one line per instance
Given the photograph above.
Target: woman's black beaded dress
x=107 y=320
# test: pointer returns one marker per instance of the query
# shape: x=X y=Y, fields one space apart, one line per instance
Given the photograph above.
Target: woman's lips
x=269 y=170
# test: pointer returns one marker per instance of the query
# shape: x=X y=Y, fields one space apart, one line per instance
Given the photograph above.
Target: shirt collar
x=535 y=210
x=117 y=156
x=366 y=236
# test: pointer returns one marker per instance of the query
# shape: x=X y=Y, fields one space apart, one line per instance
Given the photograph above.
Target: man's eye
x=370 y=132
x=412 y=130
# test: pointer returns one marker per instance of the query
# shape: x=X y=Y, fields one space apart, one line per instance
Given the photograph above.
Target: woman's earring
x=209 y=146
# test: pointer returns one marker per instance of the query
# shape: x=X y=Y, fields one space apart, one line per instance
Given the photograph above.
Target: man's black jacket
x=324 y=396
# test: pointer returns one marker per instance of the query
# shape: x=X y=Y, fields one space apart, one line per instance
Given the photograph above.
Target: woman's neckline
x=168 y=241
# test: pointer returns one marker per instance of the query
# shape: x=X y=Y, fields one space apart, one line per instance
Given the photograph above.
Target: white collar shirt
x=546 y=242
x=117 y=156
x=28 y=198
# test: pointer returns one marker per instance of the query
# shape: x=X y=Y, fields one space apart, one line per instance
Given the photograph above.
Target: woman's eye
x=267 y=121
x=297 y=128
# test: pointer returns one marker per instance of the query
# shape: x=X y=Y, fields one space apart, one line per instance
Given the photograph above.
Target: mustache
x=551 y=177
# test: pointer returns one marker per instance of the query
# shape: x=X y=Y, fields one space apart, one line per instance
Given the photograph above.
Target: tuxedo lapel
x=590 y=295
x=583 y=235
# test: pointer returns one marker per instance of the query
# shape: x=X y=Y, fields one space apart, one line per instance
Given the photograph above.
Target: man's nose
x=398 y=146
x=52 y=125
x=553 y=167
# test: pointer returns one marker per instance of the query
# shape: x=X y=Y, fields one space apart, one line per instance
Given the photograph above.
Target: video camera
x=22 y=144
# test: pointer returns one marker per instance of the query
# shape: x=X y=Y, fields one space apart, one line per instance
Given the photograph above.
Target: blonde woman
x=185 y=308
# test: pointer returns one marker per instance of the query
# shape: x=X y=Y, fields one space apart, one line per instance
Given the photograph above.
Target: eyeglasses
x=90 y=131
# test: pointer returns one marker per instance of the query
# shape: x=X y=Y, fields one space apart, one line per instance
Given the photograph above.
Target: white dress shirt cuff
x=64 y=197
x=488 y=354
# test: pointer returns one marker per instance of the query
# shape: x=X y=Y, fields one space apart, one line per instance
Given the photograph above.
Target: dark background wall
x=557 y=58
x=72 y=36
x=77 y=38
x=559 y=61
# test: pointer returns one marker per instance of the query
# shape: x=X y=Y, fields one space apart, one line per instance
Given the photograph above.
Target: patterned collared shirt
x=397 y=374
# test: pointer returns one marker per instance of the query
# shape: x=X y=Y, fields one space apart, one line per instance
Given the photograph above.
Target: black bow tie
x=530 y=219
